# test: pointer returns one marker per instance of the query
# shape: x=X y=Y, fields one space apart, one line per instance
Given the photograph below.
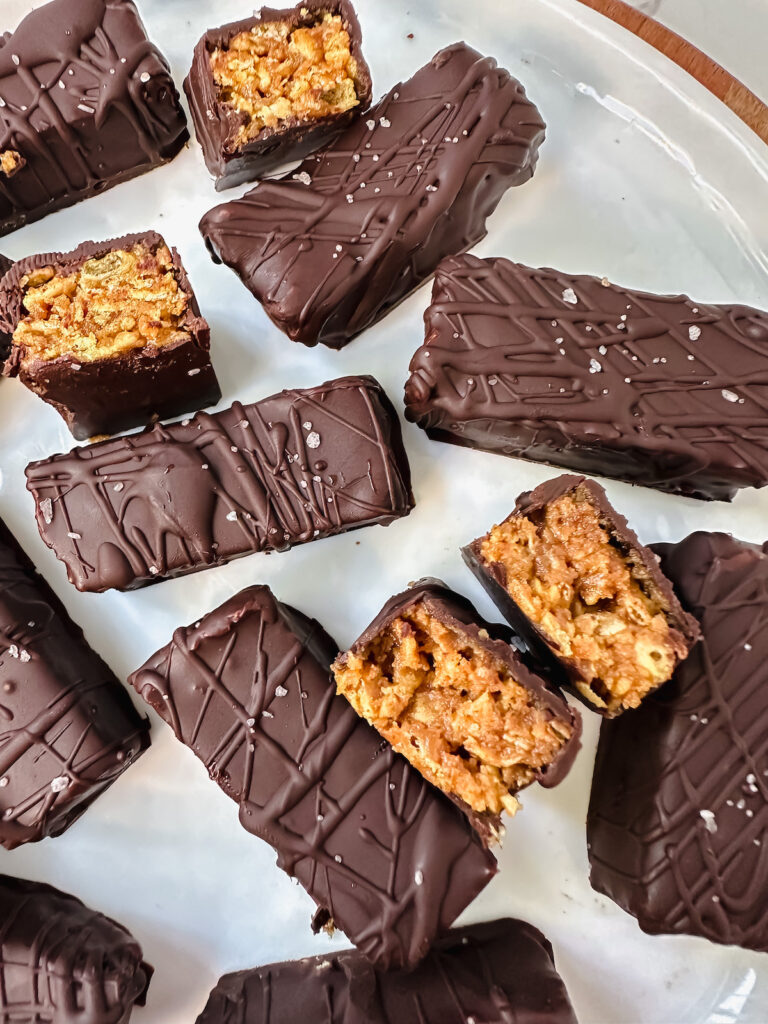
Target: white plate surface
x=644 y=178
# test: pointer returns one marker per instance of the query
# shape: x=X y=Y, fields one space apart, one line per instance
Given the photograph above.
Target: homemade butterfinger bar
x=331 y=248
x=568 y=573
x=87 y=102
x=68 y=729
x=263 y=477
x=110 y=334
x=275 y=87
x=450 y=694
x=5 y=338
x=678 y=816
x=63 y=963
x=386 y=858
x=577 y=372
x=495 y=973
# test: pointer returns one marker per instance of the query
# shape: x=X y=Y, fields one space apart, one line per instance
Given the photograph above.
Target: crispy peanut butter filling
x=591 y=601
x=452 y=709
x=121 y=301
x=272 y=74
x=11 y=161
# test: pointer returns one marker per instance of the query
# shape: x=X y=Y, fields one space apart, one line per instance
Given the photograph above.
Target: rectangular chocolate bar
x=275 y=87
x=61 y=962
x=495 y=973
x=87 y=102
x=577 y=372
x=332 y=248
x=678 y=816
x=570 y=576
x=450 y=694
x=68 y=729
x=5 y=339
x=110 y=334
x=176 y=499
x=386 y=858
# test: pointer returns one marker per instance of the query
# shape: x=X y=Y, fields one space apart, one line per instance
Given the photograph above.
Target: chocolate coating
x=333 y=248
x=384 y=856
x=678 y=816
x=5 y=338
x=576 y=372
x=68 y=729
x=459 y=614
x=263 y=477
x=104 y=396
x=63 y=963
x=217 y=124
x=501 y=972
x=88 y=102
x=493 y=576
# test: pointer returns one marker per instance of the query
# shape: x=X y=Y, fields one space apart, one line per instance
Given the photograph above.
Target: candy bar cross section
x=87 y=102
x=68 y=729
x=63 y=963
x=499 y=972
x=175 y=499
x=385 y=857
x=332 y=247
x=577 y=372
x=678 y=815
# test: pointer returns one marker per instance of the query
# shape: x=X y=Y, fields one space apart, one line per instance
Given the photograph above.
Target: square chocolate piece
x=68 y=729
x=63 y=963
x=110 y=334
x=450 y=694
x=86 y=102
x=500 y=972
x=275 y=87
x=567 y=572
x=581 y=373
x=678 y=816
x=386 y=858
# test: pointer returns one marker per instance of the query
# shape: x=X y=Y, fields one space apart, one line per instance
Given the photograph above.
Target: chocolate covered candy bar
x=263 y=477
x=63 y=963
x=450 y=694
x=577 y=372
x=385 y=857
x=275 y=87
x=87 y=102
x=678 y=816
x=110 y=334
x=5 y=338
x=332 y=248
x=495 y=973
x=570 y=576
x=68 y=729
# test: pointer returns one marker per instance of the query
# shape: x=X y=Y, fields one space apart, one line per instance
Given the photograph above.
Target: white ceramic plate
x=644 y=178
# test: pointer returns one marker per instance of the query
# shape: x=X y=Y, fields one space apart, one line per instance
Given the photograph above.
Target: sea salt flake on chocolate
x=694 y=332
x=569 y=295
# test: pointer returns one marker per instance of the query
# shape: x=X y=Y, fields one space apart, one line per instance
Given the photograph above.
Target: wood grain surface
x=742 y=101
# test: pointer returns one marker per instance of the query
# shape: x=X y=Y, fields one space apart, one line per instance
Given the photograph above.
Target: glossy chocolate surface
x=104 y=396
x=678 y=816
x=67 y=727
x=87 y=102
x=502 y=972
x=493 y=577
x=384 y=856
x=574 y=371
x=217 y=123
x=63 y=963
x=331 y=248
x=175 y=499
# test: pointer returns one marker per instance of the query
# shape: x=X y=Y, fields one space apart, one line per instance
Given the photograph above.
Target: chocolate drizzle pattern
x=678 y=817
x=332 y=248
x=294 y=467
x=384 y=856
x=500 y=972
x=85 y=101
x=67 y=727
x=62 y=963
x=571 y=370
